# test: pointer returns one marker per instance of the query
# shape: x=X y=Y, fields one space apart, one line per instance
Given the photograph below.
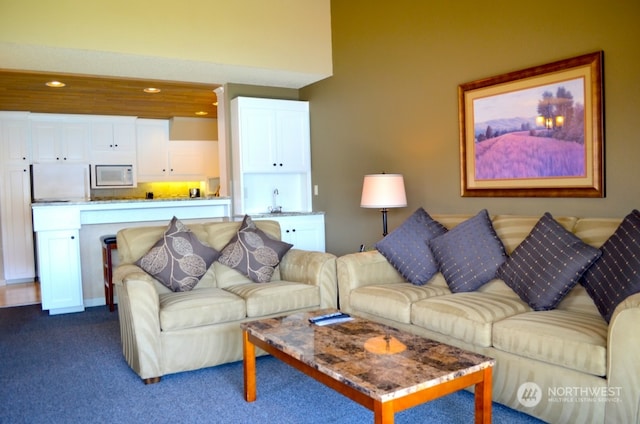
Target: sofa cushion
x=276 y=297
x=615 y=275
x=466 y=316
x=469 y=254
x=253 y=253
x=392 y=301
x=547 y=264
x=407 y=250
x=178 y=260
x=199 y=307
x=572 y=340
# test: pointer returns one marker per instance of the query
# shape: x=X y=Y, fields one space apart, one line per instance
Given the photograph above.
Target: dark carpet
x=70 y=369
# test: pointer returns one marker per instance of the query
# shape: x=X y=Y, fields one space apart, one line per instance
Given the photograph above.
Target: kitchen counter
x=68 y=240
x=276 y=215
x=107 y=200
x=71 y=215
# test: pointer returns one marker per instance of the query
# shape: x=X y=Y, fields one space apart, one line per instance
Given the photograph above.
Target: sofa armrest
x=139 y=314
x=315 y=268
x=363 y=269
x=623 y=368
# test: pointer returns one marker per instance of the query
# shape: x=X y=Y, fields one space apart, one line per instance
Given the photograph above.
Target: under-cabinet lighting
x=152 y=90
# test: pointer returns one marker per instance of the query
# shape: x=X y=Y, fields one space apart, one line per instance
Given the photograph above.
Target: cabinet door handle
x=275 y=164
x=280 y=164
x=73 y=237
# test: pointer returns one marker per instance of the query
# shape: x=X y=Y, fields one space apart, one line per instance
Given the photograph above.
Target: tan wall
x=215 y=41
x=392 y=102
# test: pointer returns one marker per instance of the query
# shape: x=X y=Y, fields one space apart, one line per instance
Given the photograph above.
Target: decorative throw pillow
x=547 y=264
x=469 y=254
x=178 y=260
x=407 y=250
x=615 y=275
x=253 y=253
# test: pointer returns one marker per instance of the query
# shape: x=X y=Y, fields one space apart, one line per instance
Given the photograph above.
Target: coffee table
x=383 y=369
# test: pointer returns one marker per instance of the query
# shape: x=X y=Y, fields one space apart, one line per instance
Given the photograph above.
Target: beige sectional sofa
x=166 y=332
x=561 y=365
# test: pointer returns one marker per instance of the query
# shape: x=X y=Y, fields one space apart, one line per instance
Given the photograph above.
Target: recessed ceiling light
x=55 y=84
x=202 y=113
x=151 y=90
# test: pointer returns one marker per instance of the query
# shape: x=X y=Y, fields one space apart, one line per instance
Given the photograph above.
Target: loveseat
x=165 y=331
x=562 y=364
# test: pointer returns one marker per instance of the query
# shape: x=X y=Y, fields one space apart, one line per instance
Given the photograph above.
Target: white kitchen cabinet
x=59 y=271
x=60 y=139
x=271 y=155
x=304 y=231
x=272 y=135
x=15 y=198
x=14 y=138
x=160 y=159
x=113 y=141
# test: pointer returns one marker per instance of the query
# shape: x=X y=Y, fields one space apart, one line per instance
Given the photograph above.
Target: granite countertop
x=107 y=200
x=278 y=214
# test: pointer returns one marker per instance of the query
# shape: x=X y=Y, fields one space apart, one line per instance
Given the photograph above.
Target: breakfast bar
x=68 y=241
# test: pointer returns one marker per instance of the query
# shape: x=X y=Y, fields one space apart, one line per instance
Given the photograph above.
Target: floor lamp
x=383 y=191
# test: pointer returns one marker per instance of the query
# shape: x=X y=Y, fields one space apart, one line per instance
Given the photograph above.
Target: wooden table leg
x=483 y=398
x=383 y=412
x=249 y=366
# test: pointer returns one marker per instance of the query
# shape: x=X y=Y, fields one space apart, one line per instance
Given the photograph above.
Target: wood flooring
x=19 y=294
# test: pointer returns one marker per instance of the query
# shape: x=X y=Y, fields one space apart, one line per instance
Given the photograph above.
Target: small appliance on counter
x=54 y=182
x=194 y=192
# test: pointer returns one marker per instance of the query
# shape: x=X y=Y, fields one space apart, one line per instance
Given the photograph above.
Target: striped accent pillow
x=407 y=250
x=614 y=276
x=469 y=254
x=547 y=264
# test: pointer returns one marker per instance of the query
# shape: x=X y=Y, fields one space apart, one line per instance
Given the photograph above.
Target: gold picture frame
x=537 y=132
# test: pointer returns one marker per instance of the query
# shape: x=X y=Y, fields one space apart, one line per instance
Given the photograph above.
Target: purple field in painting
x=519 y=155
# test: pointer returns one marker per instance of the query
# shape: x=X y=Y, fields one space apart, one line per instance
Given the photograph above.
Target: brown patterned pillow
x=253 y=253
x=178 y=260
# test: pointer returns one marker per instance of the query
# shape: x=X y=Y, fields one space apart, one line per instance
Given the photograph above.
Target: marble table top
x=380 y=361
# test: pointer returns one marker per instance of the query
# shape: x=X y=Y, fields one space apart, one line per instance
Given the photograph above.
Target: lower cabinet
x=304 y=231
x=59 y=271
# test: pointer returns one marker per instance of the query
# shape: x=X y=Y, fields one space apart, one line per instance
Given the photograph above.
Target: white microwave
x=112 y=176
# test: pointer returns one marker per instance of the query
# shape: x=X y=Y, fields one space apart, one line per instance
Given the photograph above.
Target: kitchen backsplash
x=160 y=190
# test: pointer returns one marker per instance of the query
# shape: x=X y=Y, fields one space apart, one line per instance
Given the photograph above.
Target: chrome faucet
x=274 y=207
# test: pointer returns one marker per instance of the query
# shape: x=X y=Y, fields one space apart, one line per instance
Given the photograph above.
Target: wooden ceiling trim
x=83 y=94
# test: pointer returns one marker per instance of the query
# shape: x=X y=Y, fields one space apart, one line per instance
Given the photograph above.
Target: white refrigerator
x=53 y=182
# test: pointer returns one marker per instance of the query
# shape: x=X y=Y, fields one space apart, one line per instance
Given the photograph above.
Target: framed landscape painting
x=537 y=132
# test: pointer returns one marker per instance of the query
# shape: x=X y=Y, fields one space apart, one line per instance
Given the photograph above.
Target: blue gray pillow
x=547 y=264
x=615 y=276
x=469 y=254
x=407 y=250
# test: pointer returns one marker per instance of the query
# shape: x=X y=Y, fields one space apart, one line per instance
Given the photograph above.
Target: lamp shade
x=383 y=191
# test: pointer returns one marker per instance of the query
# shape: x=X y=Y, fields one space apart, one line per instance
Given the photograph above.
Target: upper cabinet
x=274 y=134
x=160 y=159
x=271 y=155
x=113 y=141
x=14 y=138
x=59 y=139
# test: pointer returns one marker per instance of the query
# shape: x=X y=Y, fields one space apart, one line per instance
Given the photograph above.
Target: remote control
x=327 y=317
